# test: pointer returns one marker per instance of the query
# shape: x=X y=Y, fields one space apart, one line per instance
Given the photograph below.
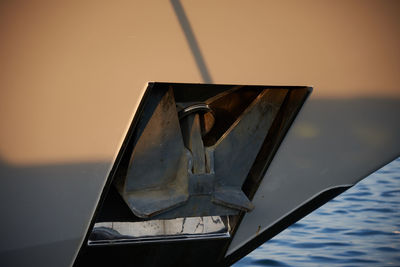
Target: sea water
x=360 y=227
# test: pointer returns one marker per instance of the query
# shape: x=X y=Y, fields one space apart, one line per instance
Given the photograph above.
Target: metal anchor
x=176 y=172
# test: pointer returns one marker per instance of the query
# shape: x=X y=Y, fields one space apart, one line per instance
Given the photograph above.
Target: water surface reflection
x=358 y=228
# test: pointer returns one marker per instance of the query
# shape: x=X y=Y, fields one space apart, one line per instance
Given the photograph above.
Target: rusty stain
x=258 y=230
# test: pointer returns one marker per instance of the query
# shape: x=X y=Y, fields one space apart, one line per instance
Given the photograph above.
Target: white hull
x=72 y=76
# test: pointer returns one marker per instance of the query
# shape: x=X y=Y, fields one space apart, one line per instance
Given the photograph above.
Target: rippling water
x=361 y=227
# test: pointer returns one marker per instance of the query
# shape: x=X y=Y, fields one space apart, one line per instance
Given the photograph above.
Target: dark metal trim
x=205 y=90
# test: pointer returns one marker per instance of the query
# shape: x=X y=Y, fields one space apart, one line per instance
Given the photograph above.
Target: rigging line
x=191 y=39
